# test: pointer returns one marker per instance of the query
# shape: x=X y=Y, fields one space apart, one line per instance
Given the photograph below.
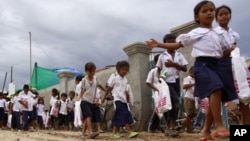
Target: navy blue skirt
x=212 y=74
x=122 y=114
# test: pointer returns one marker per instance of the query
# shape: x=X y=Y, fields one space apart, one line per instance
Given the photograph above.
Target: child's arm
x=102 y=88
x=153 y=43
x=106 y=93
x=227 y=52
x=151 y=86
x=187 y=86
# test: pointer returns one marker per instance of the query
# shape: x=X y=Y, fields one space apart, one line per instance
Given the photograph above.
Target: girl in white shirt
x=118 y=84
x=223 y=17
x=208 y=47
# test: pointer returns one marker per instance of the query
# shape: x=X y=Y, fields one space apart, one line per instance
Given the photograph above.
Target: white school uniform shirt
x=119 y=85
x=189 y=93
x=52 y=100
x=172 y=72
x=78 y=88
x=152 y=77
x=230 y=36
x=205 y=42
x=70 y=103
x=40 y=109
x=2 y=102
x=89 y=88
x=17 y=107
x=63 y=107
x=27 y=97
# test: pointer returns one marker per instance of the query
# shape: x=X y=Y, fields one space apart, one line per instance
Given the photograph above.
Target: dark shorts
x=173 y=113
x=40 y=120
x=1 y=114
x=62 y=120
x=210 y=76
x=87 y=109
x=96 y=114
x=122 y=114
x=189 y=105
x=71 y=116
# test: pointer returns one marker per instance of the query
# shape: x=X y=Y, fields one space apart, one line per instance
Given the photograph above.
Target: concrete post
x=138 y=58
x=64 y=77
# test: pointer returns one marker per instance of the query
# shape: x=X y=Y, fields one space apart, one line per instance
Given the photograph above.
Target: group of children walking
x=212 y=69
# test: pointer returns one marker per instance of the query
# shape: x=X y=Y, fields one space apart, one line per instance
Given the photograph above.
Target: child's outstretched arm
x=106 y=93
x=153 y=43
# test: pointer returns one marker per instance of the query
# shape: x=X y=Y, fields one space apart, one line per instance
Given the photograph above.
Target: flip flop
x=207 y=138
x=93 y=135
x=221 y=133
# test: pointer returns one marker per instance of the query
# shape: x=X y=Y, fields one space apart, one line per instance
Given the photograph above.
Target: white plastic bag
x=9 y=120
x=164 y=100
x=156 y=99
x=78 y=114
x=241 y=76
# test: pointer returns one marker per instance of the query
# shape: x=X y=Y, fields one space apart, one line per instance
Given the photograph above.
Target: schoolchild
x=2 y=106
x=40 y=112
x=169 y=65
x=90 y=83
x=122 y=116
x=53 y=99
x=26 y=100
x=15 y=110
x=189 y=100
x=62 y=112
x=151 y=81
x=208 y=47
x=71 y=113
x=223 y=17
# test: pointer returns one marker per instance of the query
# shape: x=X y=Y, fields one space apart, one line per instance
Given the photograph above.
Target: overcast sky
x=69 y=33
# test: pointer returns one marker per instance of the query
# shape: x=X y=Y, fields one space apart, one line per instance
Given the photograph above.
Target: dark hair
x=198 y=6
x=64 y=95
x=168 y=37
x=79 y=77
x=90 y=66
x=156 y=58
x=71 y=92
x=219 y=8
x=54 y=90
x=121 y=64
x=26 y=86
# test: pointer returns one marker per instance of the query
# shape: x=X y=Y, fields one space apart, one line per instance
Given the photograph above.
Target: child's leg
x=99 y=127
x=245 y=113
x=215 y=107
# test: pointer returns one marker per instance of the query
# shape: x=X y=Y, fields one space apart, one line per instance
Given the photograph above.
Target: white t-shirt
x=2 y=103
x=16 y=105
x=63 y=107
x=172 y=72
x=27 y=98
x=40 y=109
x=205 y=42
x=52 y=100
x=152 y=77
x=119 y=85
x=78 y=88
x=89 y=88
x=189 y=93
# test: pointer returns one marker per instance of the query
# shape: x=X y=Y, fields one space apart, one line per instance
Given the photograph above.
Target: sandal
x=93 y=135
x=133 y=134
x=224 y=133
x=172 y=133
x=197 y=130
x=207 y=138
x=116 y=136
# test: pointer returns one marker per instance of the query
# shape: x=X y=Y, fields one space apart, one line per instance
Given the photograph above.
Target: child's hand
x=152 y=43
